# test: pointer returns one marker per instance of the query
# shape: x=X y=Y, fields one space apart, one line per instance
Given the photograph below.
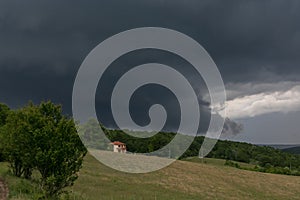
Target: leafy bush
x=232 y=164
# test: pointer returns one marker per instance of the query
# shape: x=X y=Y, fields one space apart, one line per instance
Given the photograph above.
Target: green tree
x=4 y=112
x=18 y=140
x=60 y=152
x=90 y=134
x=40 y=137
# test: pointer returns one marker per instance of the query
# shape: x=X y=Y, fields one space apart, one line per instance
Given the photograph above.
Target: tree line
x=265 y=158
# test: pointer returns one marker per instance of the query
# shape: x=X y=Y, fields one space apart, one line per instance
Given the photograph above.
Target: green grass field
x=181 y=180
x=218 y=162
x=19 y=188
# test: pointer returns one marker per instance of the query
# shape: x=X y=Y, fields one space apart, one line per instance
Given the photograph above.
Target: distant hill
x=280 y=146
x=294 y=150
x=266 y=158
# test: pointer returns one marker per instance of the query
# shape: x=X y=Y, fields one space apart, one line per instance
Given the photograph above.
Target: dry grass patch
x=184 y=180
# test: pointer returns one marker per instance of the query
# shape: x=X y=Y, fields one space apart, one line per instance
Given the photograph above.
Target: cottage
x=119 y=147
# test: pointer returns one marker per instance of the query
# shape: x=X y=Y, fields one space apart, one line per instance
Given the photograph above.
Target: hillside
x=266 y=158
x=294 y=150
x=184 y=180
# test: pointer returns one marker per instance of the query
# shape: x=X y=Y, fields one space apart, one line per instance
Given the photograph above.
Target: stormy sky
x=255 y=44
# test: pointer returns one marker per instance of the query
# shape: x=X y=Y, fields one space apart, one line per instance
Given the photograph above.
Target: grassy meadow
x=192 y=179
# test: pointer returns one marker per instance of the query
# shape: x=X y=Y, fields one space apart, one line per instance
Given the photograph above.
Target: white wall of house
x=119 y=148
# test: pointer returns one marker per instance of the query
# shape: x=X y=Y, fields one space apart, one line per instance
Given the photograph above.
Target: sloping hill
x=294 y=150
x=183 y=180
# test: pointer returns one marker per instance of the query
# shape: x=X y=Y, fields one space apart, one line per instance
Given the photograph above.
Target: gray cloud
x=231 y=128
x=253 y=43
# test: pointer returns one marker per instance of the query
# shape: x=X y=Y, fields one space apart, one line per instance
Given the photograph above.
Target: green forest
x=265 y=158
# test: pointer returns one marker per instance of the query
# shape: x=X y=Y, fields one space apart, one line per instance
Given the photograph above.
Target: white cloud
x=263 y=103
x=235 y=90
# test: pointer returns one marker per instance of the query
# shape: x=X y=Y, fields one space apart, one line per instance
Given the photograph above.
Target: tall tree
x=60 y=151
x=41 y=137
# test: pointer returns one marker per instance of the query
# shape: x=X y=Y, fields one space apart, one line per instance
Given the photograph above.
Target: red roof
x=117 y=143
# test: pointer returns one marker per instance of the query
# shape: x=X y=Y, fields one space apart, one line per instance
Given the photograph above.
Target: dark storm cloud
x=242 y=36
x=42 y=43
x=144 y=97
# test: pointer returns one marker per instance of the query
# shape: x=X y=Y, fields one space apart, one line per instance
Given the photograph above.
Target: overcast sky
x=255 y=44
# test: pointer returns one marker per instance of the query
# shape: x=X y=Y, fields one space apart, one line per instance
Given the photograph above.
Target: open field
x=184 y=180
x=218 y=162
x=181 y=180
